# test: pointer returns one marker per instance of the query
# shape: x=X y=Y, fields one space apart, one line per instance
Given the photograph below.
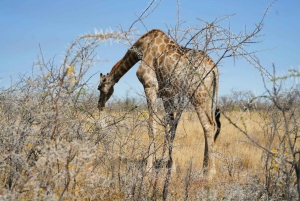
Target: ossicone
x=102 y=74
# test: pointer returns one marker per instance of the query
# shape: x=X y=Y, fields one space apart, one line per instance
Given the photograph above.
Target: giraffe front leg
x=151 y=96
x=169 y=122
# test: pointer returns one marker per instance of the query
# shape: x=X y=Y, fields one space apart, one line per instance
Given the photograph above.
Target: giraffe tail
x=216 y=108
x=217 y=119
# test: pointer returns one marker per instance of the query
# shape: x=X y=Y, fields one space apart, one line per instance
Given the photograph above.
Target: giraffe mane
x=115 y=67
x=151 y=32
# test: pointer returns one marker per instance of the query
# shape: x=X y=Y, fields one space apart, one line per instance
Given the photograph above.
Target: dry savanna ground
x=101 y=156
x=232 y=146
x=238 y=159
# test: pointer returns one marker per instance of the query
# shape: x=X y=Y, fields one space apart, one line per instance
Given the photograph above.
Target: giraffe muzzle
x=100 y=107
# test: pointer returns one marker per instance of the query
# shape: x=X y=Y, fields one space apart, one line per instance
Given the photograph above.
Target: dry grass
x=105 y=161
x=236 y=154
x=189 y=141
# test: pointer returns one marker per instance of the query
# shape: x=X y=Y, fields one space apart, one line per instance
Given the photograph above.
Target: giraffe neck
x=122 y=66
x=160 y=41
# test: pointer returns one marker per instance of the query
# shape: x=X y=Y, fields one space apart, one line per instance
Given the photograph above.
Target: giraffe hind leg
x=208 y=128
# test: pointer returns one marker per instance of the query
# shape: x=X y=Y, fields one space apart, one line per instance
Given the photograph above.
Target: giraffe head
x=106 y=88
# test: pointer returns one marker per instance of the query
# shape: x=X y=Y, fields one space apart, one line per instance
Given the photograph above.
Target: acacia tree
x=279 y=122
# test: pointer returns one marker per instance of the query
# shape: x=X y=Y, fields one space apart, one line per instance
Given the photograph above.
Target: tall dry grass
x=102 y=156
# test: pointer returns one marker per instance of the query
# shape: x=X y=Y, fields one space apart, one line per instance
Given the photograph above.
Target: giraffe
x=165 y=69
